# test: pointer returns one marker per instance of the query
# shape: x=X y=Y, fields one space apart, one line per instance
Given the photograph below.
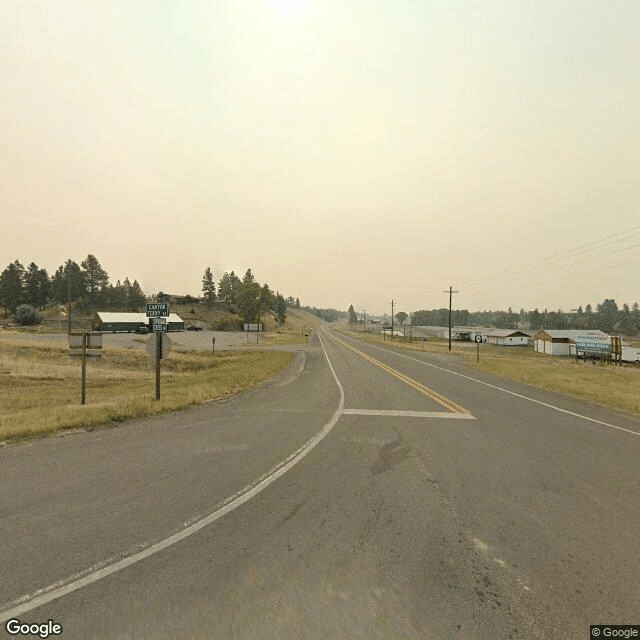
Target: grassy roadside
x=41 y=384
x=610 y=386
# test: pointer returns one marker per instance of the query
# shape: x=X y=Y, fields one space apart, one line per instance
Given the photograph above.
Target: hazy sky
x=350 y=154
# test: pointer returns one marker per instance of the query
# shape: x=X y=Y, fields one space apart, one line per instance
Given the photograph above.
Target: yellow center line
x=418 y=386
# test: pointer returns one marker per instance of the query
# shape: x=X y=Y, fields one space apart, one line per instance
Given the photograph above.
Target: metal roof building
x=108 y=321
x=507 y=337
x=562 y=342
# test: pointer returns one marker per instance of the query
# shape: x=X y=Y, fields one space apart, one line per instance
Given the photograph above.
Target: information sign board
x=592 y=343
x=157 y=309
x=159 y=324
x=252 y=327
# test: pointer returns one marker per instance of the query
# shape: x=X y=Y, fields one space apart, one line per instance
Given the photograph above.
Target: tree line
x=252 y=299
x=85 y=284
x=607 y=316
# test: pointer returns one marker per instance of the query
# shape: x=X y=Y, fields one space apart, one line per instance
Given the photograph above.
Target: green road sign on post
x=157 y=309
x=159 y=312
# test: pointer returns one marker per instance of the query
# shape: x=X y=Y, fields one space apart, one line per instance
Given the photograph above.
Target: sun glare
x=289 y=8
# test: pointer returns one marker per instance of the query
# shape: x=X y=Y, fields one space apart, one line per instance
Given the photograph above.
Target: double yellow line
x=418 y=386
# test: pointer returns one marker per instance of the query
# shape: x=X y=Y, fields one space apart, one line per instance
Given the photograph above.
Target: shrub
x=229 y=324
x=26 y=315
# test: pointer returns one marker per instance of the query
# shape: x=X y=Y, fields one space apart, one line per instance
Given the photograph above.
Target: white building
x=117 y=322
x=562 y=342
x=507 y=337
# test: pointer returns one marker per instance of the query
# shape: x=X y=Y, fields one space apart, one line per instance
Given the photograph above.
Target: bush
x=229 y=324
x=26 y=315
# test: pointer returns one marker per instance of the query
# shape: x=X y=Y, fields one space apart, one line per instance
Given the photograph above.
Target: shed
x=507 y=337
x=562 y=342
x=108 y=321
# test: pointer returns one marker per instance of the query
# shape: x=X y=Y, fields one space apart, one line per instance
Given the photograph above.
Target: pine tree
x=12 y=286
x=281 y=309
x=32 y=285
x=208 y=288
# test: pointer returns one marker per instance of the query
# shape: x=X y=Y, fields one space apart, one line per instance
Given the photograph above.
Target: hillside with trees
x=87 y=288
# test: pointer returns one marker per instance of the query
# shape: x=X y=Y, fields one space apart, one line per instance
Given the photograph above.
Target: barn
x=562 y=342
x=110 y=322
x=507 y=337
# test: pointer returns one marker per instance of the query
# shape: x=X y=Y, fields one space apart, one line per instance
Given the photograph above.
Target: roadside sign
x=593 y=343
x=157 y=309
x=159 y=324
x=83 y=344
x=478 y=338
x=252 y=327
x=151 y=346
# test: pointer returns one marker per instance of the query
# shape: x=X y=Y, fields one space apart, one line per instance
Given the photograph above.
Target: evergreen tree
x=12 y=286
x=353 y=316
x=32 y=285
x=267 y=299
x=280 y=308
x=225 y=289
x=95 y=280
x=208 y=288
x=137 y=299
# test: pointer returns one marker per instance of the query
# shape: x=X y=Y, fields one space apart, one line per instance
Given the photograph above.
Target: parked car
x=142 y=329
x=193 y=327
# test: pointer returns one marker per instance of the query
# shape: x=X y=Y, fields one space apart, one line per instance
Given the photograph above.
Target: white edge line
x=280 y=470
x=493 y=386
x=408 y=414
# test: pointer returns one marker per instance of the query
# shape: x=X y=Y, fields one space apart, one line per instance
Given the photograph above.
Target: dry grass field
x=40 y=384
x=617 y=387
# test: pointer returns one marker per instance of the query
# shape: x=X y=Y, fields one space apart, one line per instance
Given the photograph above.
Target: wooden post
x=213 y=346
x=84 y=367
x=478 y=353
x=158 y=358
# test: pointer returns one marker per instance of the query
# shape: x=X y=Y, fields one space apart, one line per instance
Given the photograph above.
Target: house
x=128 y=322
x=507 y=337
x=562 y=342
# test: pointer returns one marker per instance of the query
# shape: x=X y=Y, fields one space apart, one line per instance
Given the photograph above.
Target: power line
x=573 y=275
x=556 y=268
x=561 y=255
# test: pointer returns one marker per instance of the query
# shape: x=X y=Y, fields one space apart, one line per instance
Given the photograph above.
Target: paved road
x=363 y=494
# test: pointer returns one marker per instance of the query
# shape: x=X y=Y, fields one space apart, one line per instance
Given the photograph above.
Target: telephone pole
x=392 y=319
x=450 y=292
x=69 y=295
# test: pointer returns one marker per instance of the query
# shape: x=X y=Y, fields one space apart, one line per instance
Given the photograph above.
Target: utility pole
x=450 y=292
x=364 y=329
x=69 y=295
x=392 y=319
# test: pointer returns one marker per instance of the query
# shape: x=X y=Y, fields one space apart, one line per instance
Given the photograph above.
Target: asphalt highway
x=366 y=492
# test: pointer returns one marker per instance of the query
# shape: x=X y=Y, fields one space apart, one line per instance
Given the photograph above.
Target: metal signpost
x=159 y=312
x=83 y=344
x=478 y=341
